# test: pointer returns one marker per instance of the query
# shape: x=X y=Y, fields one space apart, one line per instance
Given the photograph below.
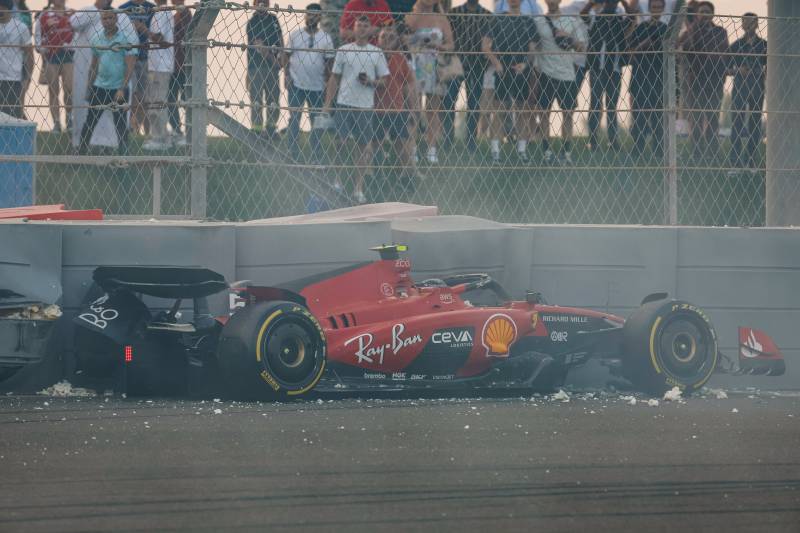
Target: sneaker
x=566 y=158
x=549 y=158
x=360 y=198
x=152 y=145
x=433 y=158
x=337 y=186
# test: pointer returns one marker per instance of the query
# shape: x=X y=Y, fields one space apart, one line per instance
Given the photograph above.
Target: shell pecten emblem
x=499 y=333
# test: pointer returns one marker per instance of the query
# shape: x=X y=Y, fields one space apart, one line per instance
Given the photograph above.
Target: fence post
x=783 y=105
x=197 y=95
x=670 y=110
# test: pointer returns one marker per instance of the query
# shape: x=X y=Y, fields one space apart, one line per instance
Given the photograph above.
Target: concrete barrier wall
x=740 y=276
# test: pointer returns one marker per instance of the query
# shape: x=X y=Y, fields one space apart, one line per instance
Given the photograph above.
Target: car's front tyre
x=666 y=344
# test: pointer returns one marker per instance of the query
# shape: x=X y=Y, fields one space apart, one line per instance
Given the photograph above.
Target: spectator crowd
x=393 y=71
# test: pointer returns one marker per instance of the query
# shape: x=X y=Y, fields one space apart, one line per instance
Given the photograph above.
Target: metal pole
x=197 y=132
x=670 y=110
x=156 y=191
x=197 y=94
x=783 y=109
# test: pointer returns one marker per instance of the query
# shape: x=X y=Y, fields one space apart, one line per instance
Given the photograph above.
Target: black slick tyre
x=271 y=350
x=666 y=344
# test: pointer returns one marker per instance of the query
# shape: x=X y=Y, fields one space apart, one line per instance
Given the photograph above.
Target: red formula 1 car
x=371 y=326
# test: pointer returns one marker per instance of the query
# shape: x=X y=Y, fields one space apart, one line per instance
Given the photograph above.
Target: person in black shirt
x=508 y=46
x=265 y=41
x=607 y=32
x=470 y=23
x=748 y=64
x=647 y=80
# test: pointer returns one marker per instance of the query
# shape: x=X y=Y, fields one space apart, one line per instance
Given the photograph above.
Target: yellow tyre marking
x=261 y=333
x=652 y=345
x=310 y=385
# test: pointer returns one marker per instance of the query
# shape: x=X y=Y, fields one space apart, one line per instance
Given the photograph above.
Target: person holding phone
x=358 y=69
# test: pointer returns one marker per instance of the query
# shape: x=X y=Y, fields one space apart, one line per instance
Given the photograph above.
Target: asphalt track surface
x=594 y=463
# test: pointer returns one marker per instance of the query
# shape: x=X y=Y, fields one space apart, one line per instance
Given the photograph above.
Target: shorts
x=59 y=57
x=551 y=89
x=488 y=79
x=394 y=124
x=512 y=87
x=139 y=79
x=354 y=121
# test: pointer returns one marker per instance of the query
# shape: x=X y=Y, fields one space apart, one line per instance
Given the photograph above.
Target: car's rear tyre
x=271 y=350
x=668 y=343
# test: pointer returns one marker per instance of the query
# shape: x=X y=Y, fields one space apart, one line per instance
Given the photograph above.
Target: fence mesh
x=583 y=117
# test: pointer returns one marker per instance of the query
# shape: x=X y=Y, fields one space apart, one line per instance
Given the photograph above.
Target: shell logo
x=499 y=333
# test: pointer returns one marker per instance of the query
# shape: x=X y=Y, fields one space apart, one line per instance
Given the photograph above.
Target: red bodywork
x=375 y=319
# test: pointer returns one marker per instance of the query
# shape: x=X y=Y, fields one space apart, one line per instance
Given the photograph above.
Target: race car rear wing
x=161 y=282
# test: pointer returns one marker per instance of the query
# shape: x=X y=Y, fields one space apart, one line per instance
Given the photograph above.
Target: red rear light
x=128 y=354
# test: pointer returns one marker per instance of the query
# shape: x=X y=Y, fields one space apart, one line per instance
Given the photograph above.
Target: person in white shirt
x=86 y=26
x=16 y=60
x=310 y=55
x=526 y=7
x=160 y=64
x=560 y=37
x=358 y=69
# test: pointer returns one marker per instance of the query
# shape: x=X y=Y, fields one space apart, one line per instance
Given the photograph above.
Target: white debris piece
x=217 y=411
x=734 y=410
x=65 y=389
x=652 y=402
x=37 y=312
x=719 y=394
x=672 y=395
x=561 y=396
x=629 y=399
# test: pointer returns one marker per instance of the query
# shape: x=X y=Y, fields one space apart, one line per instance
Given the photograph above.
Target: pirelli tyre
x=666 y=344
x=271 y=350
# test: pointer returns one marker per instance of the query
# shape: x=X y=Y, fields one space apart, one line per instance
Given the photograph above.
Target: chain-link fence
x=233 y=112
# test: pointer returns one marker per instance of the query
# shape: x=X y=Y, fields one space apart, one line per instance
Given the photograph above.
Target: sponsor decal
x=399 y=376
x=270 y=380
x=367 y=353
x=402 y=263
x=566 y=319
x=446 y=298
x=453 y=338
x=499 y=333
x=444 y=377
x=387 y=290
x=559 y=336
x=100 y=316
x=751 y=347
x=374 y=375
x=416 y=377
x=534 y=320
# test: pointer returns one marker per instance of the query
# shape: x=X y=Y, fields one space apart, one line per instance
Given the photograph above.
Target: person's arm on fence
x=130 y=63
x=486 y=48
x=331 y=88
x=92 y=70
